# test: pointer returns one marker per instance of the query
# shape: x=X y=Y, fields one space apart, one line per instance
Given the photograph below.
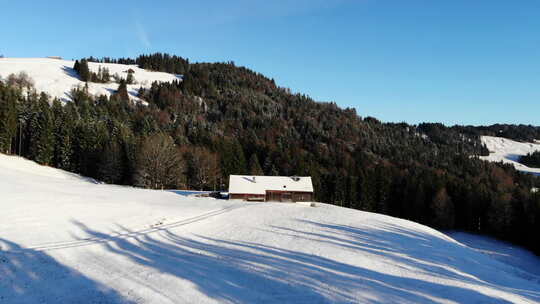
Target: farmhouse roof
x=249 y=184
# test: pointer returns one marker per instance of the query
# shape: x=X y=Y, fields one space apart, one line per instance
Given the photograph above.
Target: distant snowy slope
x=57 y=77
x=509 y=151
x=66 y=240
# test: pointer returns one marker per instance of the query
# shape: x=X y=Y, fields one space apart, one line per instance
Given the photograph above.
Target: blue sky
x=459 y=61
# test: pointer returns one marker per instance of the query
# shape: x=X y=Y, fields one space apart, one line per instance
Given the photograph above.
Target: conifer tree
x=77 y=67
x=42 y=140
x=443 y=210
x=63 y=135
x=111 y=163
x=233 y=160
x=83 y=70
x=130 y=79
x=105 y=75
x=8 y=122
x=122 y=92
x=254 y=166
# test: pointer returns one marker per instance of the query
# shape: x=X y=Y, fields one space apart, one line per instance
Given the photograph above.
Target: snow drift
x=509 y=151
x=57 y=78
x=65 y=239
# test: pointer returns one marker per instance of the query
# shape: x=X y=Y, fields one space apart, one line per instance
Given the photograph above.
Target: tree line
x=531 y=159
x=523 y=133
x=103 y=75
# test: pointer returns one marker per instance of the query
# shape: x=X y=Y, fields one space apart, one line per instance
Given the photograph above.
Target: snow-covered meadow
x=57 y=78
x=67 y=239
x=508 y=151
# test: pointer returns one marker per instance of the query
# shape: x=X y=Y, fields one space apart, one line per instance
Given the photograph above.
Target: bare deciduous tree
x=21 y=81
x=203 y=168
x=159 y=164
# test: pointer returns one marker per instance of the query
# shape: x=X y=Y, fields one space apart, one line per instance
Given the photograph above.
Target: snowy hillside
x=57 y=77
x=65 y=239
x=509 y=151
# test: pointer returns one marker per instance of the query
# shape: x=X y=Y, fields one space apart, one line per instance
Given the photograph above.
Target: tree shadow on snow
x=243 y=272
x=427 y=254
x=30 y=276
x=71 y=72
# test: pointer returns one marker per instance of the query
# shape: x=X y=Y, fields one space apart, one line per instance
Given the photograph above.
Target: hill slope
x=57 y=77
x=509 y=151
x=66 y=239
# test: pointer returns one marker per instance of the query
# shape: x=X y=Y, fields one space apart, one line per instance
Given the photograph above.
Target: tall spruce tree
x=111 y=164
x=122 y=92
x=8 y=122
x=233 y=159
x=83 y=70
x=42 y=126
x=254 y=165
x=63 y=135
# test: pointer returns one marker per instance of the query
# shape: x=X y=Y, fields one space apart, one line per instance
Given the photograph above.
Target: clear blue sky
x=450 y=61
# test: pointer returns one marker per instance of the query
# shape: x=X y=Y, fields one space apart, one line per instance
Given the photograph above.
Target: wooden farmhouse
x=271 y=188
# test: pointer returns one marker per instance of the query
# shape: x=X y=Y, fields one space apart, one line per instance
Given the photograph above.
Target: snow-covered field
x=57 y=77
x=509 y=151
x=507 y=253
x=66 y=239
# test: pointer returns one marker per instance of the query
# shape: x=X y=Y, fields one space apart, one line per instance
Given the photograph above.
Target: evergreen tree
x=8 y=122
x=105 y=75
x=42 y=141
x=443 y=210
x=63 y=136
x=111 y=163
x=83 y=70
x=130 y=79
x=77 y=67
x=254 y=166
x=122 y=92
x=233 y=159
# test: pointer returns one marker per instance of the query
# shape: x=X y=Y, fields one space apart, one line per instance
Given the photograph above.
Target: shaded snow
x=526 y=263
x=509 y=151
x=66 y=240
x=57 y=77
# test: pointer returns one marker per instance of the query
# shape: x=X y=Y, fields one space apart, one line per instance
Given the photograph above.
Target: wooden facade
x=275 y=196
x=248 y=197
x=288 y=196
x=271 y=188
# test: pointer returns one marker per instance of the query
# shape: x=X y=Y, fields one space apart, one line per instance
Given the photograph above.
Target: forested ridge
x=222 y=119
x=525 y=133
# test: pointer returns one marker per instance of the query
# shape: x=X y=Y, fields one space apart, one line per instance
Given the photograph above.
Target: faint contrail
x=142 y=34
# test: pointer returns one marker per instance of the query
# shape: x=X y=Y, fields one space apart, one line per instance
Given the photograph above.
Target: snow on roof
x=249 y=184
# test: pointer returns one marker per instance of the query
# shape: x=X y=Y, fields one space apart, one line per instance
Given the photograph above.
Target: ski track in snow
x=131 y=234
x=65 y=239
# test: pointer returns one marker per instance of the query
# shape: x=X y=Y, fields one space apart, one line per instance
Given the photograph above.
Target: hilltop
x=57 y=78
